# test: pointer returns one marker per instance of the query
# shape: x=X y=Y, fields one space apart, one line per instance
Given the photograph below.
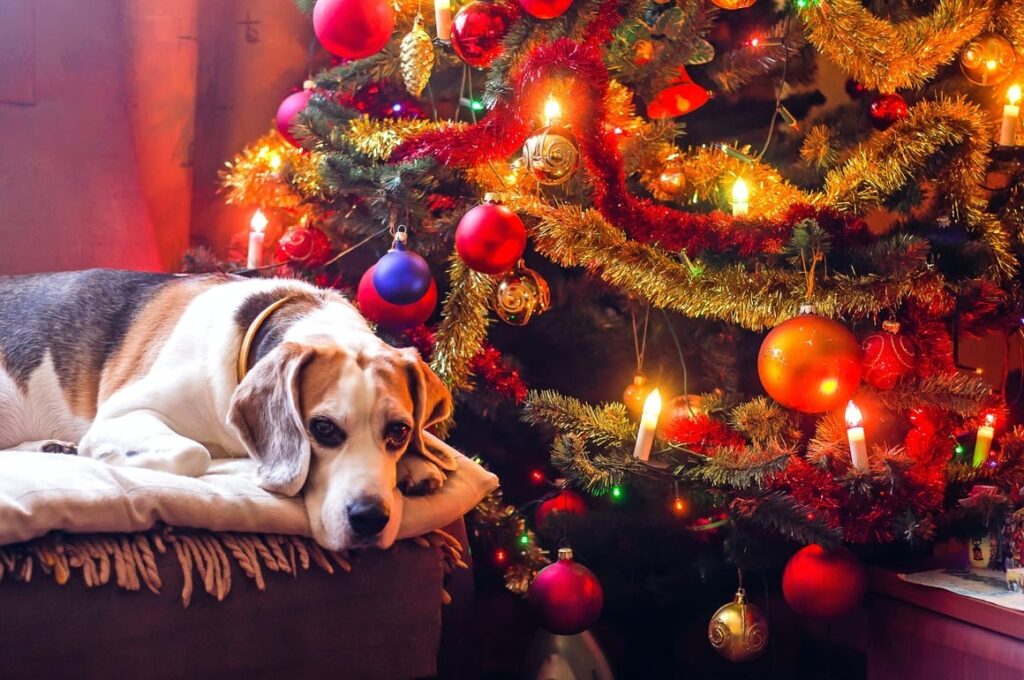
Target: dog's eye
x=326 y=432
x=396 y=434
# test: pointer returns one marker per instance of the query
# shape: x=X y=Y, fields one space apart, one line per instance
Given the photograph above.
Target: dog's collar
x=245 y=349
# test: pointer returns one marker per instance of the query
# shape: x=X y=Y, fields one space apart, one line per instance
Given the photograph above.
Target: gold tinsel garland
x=377 y=138
x=258 y=175
x=463 y=327
x=885 y=56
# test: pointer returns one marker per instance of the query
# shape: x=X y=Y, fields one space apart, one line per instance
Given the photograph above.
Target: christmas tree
x=699 y=306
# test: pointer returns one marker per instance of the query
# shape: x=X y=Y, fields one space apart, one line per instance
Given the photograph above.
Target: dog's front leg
x=143 y=439
x=418 y=476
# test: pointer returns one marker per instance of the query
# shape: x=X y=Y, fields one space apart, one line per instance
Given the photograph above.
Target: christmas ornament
x=353 y=29
x=566 y=595
x=417 y=58
x=478 y=30
x=810 y=363
x=305 y=246
x=738 y=631
x=551 y=155
x=886 y=109
x=566 y=501
x=636 y=393
x=823 y=584
x=643 y=52
x=888 y=356
x=988 y=59
x=292 y=105
x=680 y=408
x=520 y=294
x=545 y=9
x=401 y=277
x=733 y=4
x=854 y=89
x=680 y=97
x=391 y=316
x=490 y=238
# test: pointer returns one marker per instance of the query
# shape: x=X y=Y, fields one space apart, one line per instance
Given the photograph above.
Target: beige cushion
x=42 y=492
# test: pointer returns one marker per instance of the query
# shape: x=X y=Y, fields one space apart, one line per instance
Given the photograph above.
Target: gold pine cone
x=417 y=57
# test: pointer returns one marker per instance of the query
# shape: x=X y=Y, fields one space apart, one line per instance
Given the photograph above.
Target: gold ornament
x=738 y=631
x=988 y=59
x=636 y=393
x=551 y=155
x=520 y=295
x=733 y=4
x=417 y=57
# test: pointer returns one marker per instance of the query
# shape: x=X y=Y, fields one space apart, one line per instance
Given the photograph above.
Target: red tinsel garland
x=487 y=365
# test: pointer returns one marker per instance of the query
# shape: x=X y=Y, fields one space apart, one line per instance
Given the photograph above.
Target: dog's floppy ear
x=265 y=414
x=432 y=403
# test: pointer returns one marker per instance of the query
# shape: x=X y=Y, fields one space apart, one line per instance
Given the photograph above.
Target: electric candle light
x=648 y=424
x=855 y=435
x=740 y=197
x=443 y=19
x=552 y=111
x=983 y=444
x=1011 y=114
x=257 y=225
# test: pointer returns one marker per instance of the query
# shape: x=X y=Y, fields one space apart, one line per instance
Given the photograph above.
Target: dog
x=167 y=372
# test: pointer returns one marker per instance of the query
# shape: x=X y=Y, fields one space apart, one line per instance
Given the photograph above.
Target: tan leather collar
x=245 y=349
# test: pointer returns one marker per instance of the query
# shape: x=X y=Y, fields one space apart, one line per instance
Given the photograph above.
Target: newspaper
x=981 y=584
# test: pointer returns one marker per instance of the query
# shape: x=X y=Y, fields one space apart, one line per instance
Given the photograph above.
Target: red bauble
x=810 y=363
x=888 y=356
x=490 y=238
x=393 y=317
x=353 y=29
x=305 y=246
x=566 y=501
x=681 y=97
x=478 y=29
x=292 y=105
x=546 y=9
x=854 y=89
x=566 y=595
x=886 y=109
x=823 y=584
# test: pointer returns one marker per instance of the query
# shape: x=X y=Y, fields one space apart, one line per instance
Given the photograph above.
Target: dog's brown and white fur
x=140 y=370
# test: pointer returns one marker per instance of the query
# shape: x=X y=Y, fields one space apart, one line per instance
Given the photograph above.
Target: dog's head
x=333 y=423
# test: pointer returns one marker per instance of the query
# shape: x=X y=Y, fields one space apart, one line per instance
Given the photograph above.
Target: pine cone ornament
x=417 y=57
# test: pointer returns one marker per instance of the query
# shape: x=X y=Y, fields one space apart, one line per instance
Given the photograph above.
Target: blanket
x=44 y=492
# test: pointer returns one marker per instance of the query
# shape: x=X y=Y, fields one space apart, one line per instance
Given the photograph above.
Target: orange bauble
x=635 y=394
x=734 y=4
x=810 y=363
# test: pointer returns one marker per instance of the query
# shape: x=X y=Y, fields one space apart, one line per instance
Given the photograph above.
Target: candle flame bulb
x=740 y=193
x=990 y=419
x=652 y=406
x=854 y=417
x=1013 y=94
x=258 y=222
x=648 y=425
x=552 y=111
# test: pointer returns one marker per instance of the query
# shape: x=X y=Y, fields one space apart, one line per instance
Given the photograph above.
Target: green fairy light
x=616 y=492
x=524 y=539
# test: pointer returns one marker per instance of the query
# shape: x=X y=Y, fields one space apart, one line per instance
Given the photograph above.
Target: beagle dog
x=167 y=372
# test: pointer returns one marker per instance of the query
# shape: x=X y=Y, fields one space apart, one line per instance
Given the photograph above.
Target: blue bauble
x=401 y=277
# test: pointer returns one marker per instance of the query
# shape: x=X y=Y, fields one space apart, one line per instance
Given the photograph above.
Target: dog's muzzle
x=367 y=516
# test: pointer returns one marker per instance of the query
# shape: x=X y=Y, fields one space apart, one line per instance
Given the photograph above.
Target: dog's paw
x=57 y=446
x=418 y=476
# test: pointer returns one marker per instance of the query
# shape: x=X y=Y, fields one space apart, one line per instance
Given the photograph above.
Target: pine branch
x=606 y=425
x=740 y=469
x=959 y=393
x=762 y=421
x=782 y=514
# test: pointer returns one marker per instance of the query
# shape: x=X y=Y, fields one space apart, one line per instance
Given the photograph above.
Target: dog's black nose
x=367 y=516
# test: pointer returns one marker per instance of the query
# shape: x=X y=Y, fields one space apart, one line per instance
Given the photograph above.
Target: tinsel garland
x=754 y=299
x=887 y=56
x=463 y=328
x=256 y=175
x=487 y=366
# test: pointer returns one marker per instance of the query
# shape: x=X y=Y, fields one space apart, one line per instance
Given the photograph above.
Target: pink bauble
x=292 y=105
x=566 y=596
x=490 y=238
x=823 y=584
x=478 y=29
x=391 y=316
x=546 y=9
x=353 y=29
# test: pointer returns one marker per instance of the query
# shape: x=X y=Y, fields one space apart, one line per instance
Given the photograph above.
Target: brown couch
x=384 y=619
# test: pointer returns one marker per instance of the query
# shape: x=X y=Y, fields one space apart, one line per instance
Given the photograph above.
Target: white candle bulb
x=983 y=444
x=443 y=19
x=855 y=435
x=740 y=197
x=552 y=111
x=1011 y=114
x=257 y=225
x=648 y=424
